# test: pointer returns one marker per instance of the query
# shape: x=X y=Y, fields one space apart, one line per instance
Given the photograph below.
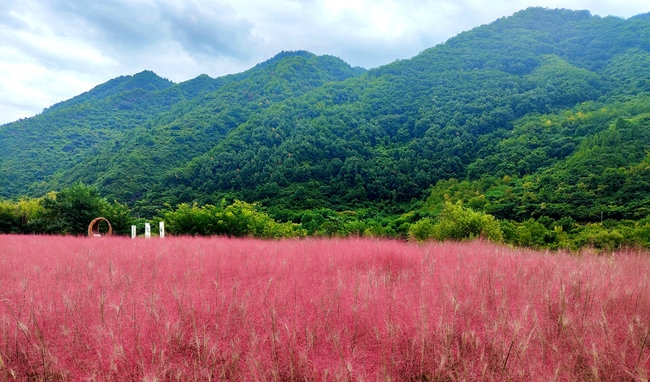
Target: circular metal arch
x=93 y=227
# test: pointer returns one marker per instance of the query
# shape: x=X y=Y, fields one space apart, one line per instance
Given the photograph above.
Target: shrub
x=534 y=234
x=459 y=223
x=238 y=219
x=456 y=223
x=422 y=230
x=598 y=237
x=642 y=235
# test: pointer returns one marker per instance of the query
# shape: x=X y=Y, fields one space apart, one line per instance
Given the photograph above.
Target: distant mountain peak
x=146 y=80
x=149 y=75
x=293 y=53
x=285 y=55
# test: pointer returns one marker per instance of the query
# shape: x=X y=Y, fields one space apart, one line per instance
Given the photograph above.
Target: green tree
x=237 y=219
x=458 y=223
x=71 y=210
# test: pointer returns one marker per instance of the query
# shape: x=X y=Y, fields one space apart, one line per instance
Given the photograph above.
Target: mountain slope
x=385 y=137
x=304 y=132
x=63 y=135
x=122 y=132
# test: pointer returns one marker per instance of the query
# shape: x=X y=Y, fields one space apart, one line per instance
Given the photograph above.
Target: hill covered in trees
x=543 y=117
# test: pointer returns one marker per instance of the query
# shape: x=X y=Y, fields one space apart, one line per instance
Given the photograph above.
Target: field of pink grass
x=210 y=309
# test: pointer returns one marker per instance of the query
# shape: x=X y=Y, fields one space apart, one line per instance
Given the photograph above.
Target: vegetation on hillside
x=71 y=210
x=540 y=121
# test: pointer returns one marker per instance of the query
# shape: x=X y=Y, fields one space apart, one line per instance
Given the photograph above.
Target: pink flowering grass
x=116 y=309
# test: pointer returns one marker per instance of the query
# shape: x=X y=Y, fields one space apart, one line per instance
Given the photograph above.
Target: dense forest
x=534 y=130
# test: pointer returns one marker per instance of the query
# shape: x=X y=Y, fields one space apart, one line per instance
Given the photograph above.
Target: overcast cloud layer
x=52 y=50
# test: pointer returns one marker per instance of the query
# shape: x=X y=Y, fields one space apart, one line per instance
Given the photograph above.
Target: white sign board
x=147 y=230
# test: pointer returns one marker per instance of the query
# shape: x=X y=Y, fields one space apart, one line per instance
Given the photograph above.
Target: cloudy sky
x=52 y=50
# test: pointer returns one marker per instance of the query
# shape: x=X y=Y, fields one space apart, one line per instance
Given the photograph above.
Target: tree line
x=70 y=210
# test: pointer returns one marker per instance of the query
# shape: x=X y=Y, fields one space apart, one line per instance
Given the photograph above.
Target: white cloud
x=52 y=50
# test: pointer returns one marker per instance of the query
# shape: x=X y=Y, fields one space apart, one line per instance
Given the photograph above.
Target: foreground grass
x=356 y=309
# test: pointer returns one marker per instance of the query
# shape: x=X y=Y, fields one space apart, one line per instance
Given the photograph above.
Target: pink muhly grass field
x=354 y=309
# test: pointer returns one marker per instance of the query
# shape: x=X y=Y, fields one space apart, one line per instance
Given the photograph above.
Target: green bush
x=71 y=210
x=19 y=216
x=641 y=235
x=534 y=234
x=457 y=223
x=237 y=219
x=598 y=237
x=422 y=229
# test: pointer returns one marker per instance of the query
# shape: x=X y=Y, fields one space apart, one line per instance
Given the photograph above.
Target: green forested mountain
x=123 y=134
x=544 y=114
